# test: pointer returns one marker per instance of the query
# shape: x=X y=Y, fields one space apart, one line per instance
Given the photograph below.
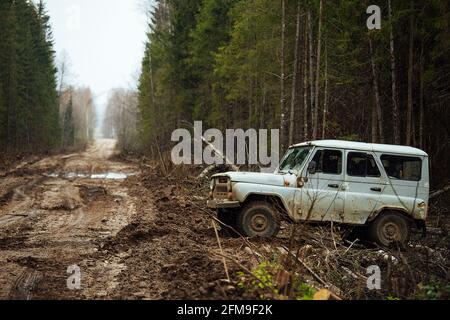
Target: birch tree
x=295 y=75
x=395 y=106
x=284 y=111
x=409 y=111
x=305 y=82
x=317 y=85
x=378 y=135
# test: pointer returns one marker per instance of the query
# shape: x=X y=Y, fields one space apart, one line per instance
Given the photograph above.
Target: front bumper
x=223 y=204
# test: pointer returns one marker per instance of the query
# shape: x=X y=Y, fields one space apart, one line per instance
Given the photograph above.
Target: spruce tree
x=29 y=111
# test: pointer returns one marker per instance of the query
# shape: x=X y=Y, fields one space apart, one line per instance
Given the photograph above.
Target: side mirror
x=312 y=167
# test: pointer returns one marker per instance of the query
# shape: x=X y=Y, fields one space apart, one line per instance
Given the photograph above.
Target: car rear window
x=402 y=168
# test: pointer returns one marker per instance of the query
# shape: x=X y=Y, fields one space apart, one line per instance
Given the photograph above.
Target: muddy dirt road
x=130 y=235
x=56 y=213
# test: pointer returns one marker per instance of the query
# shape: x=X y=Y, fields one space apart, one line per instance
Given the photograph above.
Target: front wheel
x=389 y=229
x=259 y=219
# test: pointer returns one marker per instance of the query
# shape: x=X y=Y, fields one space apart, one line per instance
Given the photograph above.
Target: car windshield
x=294 y=159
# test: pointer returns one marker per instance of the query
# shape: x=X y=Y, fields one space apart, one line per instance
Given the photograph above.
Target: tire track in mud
x=168 y=254
x=38 y=244
x=20 y=201
x=24 y=285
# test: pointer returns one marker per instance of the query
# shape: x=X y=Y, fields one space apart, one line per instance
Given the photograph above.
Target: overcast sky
x=104 y=40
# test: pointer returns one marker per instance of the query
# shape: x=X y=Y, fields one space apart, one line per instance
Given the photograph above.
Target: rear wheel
x=389 y=229
x=258 y=219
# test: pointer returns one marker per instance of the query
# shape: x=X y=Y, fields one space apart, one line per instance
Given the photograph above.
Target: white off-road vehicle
x=384 y=187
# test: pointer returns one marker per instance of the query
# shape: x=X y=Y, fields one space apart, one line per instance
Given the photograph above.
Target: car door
x=321 y=196
x=364 y=186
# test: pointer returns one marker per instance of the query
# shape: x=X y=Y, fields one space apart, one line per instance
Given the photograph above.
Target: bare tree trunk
x=395 y=108
x=413 y=130
x=373 y=122
x=60 y=107
x=311 y=63
x=317 y=86
x=284 y=125
x=421 y=115
x=294 y=77
x=305 y=84
x=250 y=102
x=379 y=111
x=409 y=111
x=325 y=100
x=264 y=103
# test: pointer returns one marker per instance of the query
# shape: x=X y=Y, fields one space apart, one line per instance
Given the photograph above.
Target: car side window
x=362 y=165
x=329 y=161
x=402 y=168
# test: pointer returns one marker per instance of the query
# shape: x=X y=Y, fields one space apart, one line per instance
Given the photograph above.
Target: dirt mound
x=65 y=197
x=169 y=254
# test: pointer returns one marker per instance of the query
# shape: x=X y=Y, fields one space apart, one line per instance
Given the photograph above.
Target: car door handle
x=334 y=186
x=376 y=189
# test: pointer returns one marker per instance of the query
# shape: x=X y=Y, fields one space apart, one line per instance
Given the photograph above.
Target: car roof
x=386 y=148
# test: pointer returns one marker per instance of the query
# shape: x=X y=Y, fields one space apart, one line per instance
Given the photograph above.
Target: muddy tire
x=390 y=229
x=258 y=219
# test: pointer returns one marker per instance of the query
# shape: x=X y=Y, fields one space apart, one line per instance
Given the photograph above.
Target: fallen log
x=439 y=192
x=215 y=166
x=207 y=172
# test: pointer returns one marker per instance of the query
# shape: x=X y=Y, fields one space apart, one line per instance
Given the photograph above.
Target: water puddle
x=111 y=176
x=94 y=176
